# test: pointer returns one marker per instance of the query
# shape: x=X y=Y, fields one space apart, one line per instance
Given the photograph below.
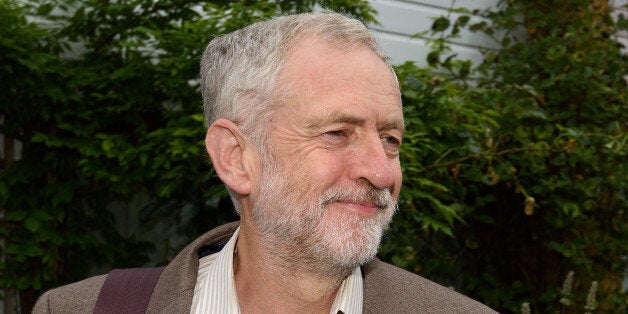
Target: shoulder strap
x=127 y=290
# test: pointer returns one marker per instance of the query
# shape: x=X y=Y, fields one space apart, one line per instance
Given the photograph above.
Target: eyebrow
x=395 y=125
x=340 y=117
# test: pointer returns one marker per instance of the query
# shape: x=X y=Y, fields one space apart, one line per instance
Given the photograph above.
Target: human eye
x=335 y=133
x=391 y=144
x=335 y=136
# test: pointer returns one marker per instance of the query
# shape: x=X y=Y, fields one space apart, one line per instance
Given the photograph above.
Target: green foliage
x=104 y=97
x=520 y=162
x=514 y=171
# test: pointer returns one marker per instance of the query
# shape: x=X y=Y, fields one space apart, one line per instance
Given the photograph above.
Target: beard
x=301 y=231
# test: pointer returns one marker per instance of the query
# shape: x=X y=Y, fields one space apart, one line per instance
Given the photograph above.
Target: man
x=305 y=123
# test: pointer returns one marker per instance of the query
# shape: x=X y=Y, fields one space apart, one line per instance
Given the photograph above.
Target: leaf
x=440 y=24
x=463 y=20
x=32 y=224
x=573 y=133
x=17 y=215
x=433 y=58
x=45 y=8
x=108 y=145
x=437 y=226
x=536 y=113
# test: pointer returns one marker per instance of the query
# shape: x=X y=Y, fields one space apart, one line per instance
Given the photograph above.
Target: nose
x=371 y=163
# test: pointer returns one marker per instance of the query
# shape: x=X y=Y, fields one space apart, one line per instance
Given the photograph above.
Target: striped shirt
x=215 y=290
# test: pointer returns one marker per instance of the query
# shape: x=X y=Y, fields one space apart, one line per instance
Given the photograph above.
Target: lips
x=356 y=196
x=361 y=207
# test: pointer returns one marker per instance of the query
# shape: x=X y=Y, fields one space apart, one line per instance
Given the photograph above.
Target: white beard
x=304 y=235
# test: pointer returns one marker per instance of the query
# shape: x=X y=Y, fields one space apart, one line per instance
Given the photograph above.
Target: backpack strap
x=127 y=290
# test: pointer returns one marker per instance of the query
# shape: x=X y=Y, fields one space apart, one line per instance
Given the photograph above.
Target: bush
x=520 y=161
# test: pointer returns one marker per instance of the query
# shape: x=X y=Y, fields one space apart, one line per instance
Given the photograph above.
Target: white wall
x=401 y=20
x=620 y=7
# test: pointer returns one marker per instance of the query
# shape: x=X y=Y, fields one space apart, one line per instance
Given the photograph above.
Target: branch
x=489 y=154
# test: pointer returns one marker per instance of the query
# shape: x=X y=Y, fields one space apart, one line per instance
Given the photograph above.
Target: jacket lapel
x=174 y=290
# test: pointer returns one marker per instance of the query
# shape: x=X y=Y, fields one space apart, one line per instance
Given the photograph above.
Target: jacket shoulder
x=173 y=291
x=78 y=297
x=390 y=289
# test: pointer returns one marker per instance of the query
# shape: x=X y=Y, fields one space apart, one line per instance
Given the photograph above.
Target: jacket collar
x=174 y=290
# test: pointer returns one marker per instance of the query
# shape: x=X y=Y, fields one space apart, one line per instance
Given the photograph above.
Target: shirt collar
x=215 y=286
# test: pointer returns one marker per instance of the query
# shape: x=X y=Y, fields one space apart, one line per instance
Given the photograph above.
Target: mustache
x=380 y=198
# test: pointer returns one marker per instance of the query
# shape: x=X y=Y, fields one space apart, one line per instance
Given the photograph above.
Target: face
x=330 y=186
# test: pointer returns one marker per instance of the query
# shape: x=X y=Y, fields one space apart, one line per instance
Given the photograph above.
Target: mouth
x=362 y=201
x=362 y=208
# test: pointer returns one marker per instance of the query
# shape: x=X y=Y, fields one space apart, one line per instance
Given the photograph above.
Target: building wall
x=620 y=7
x=401 y=20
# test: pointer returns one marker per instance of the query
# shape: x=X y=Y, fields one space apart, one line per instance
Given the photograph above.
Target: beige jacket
x=387 y=289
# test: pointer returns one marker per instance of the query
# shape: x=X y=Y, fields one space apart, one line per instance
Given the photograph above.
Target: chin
x=352 y=240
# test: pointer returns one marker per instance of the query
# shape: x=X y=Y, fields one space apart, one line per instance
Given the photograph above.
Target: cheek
x=318 y=172
x=332 y=165
x=398 y=177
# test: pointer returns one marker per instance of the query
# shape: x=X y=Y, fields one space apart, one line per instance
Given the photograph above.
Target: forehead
x=322 y=79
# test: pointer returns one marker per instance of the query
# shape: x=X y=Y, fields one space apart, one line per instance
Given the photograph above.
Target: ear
x=227 y=149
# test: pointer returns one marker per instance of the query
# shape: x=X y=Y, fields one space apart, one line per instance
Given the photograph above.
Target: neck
x=267 y=283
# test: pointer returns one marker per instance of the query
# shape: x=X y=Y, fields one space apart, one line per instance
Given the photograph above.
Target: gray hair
x=240 y=70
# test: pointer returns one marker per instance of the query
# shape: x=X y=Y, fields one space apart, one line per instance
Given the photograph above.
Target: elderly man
x=305 y=123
